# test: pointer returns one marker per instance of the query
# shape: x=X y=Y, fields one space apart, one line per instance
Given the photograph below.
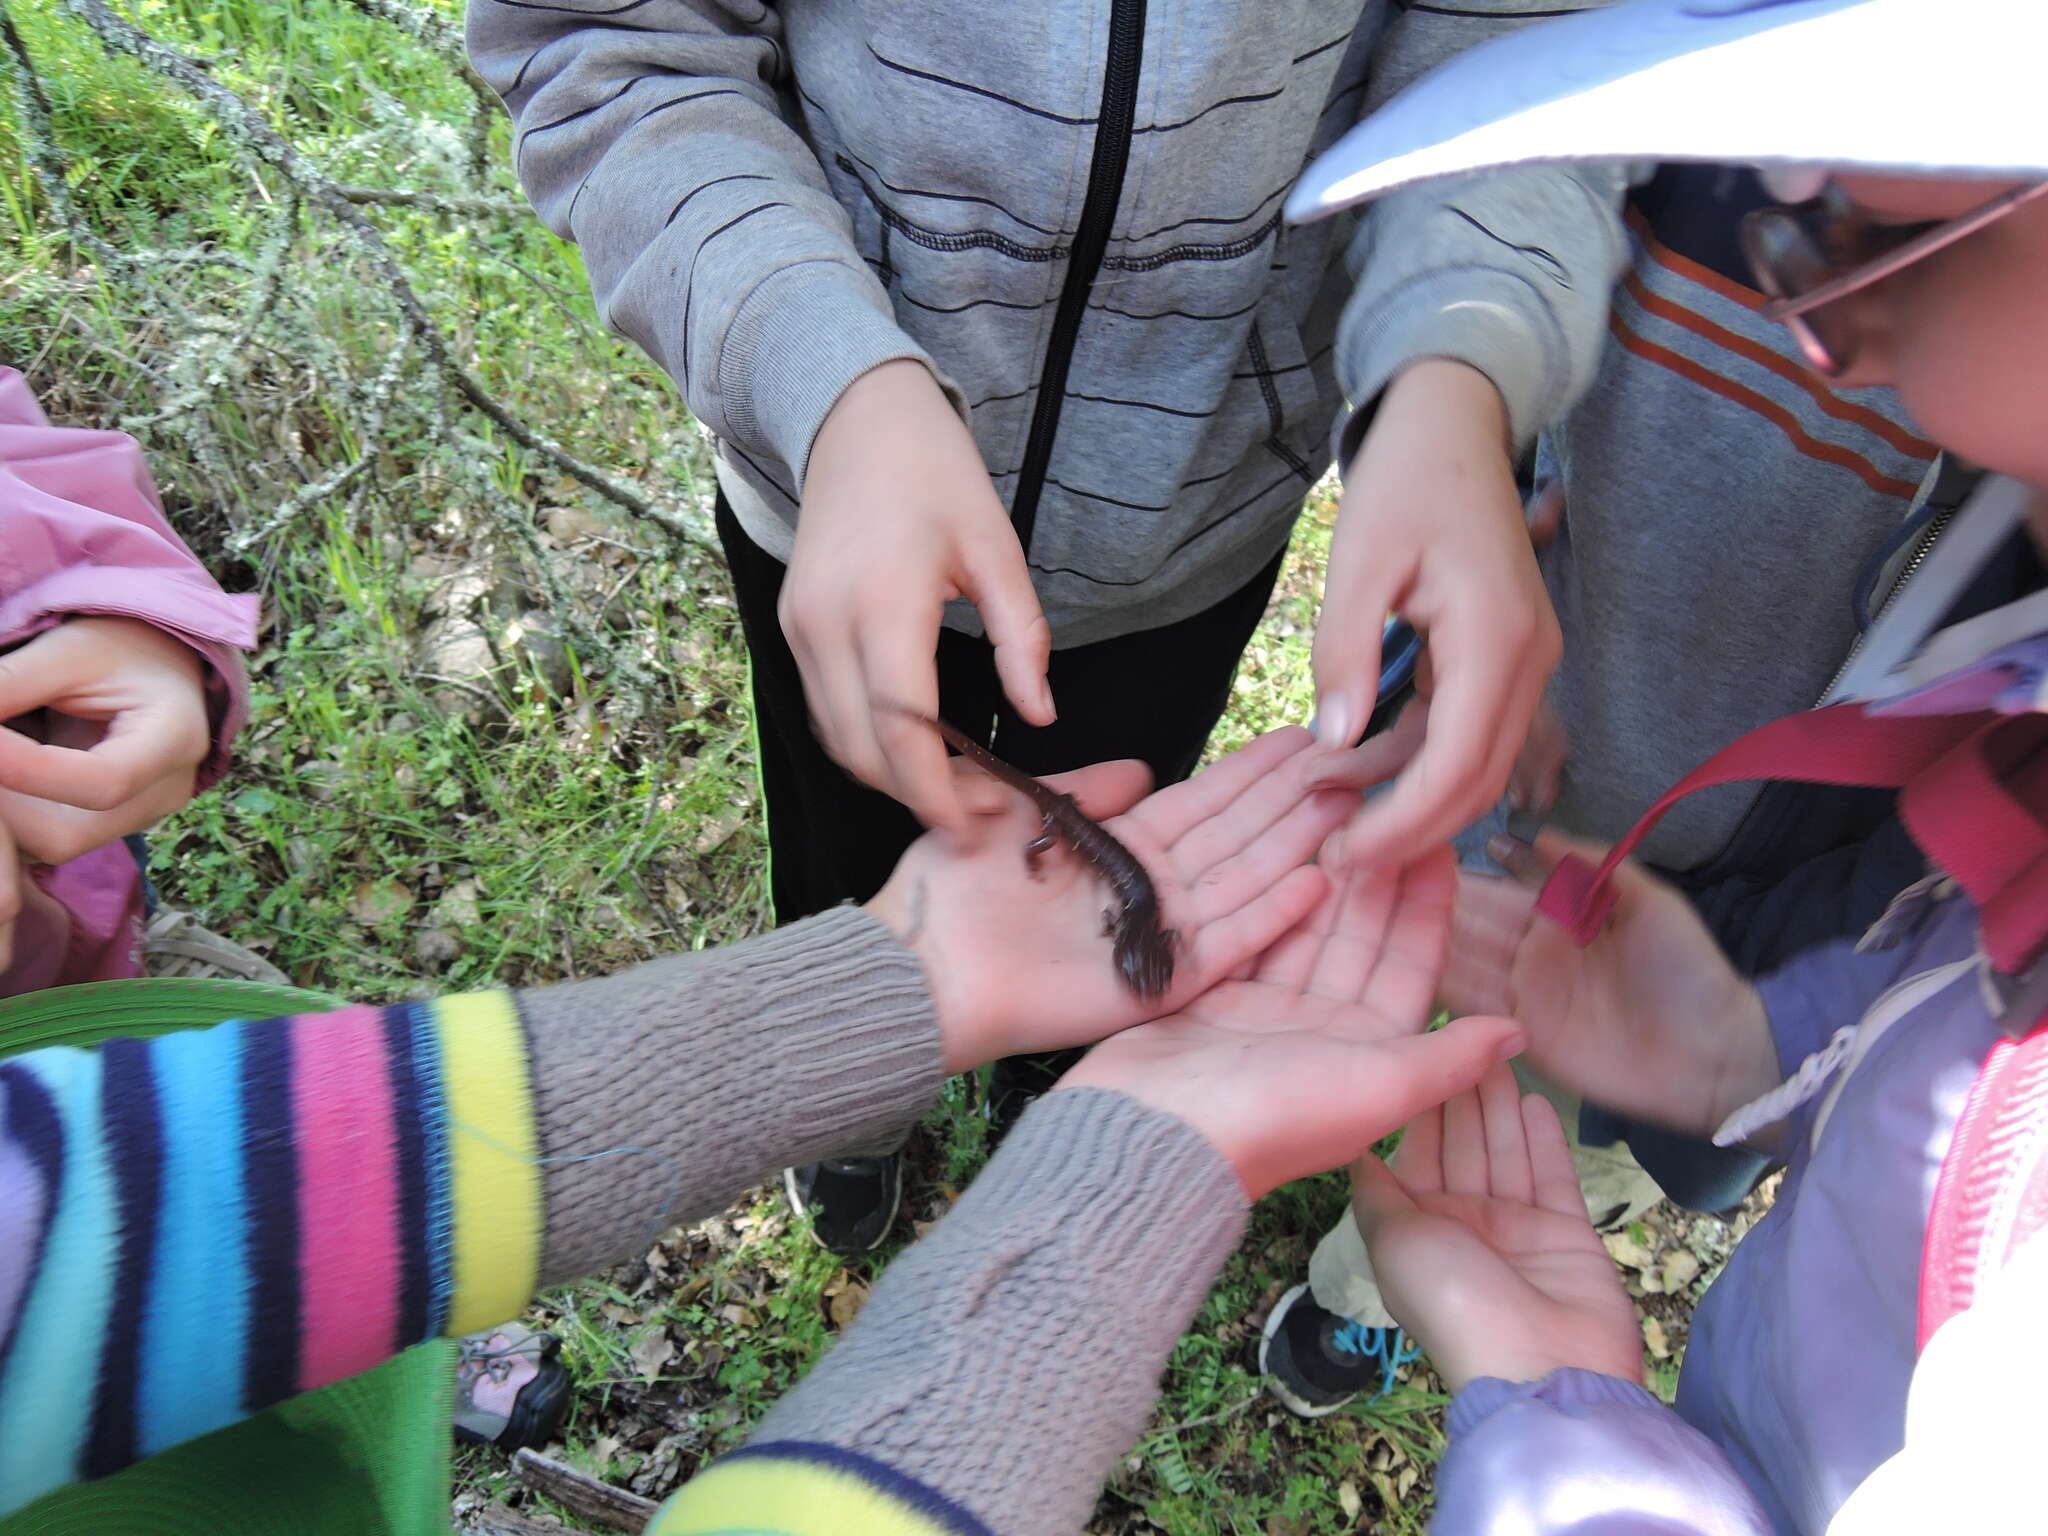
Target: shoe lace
x=1389 y=1346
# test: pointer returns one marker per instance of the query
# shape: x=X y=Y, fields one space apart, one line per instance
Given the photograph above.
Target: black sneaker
x=1315 y=1361
x=1016 y=1082
x=852 y=1201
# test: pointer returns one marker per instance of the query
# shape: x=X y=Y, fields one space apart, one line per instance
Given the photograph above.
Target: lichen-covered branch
x=256 y=137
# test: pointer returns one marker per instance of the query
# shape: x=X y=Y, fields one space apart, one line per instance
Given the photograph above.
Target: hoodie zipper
x=1091 y=240
x=1934 y=529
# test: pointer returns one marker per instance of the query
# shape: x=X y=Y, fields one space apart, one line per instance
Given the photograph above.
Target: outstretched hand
x=1304 y=1066
x=1020 y=962
x=108 y=731
x=1481 y=1244
x=1649 y=1019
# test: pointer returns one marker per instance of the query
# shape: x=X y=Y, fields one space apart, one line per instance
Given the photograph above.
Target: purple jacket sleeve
x=1585 y=1454
x=82 y=531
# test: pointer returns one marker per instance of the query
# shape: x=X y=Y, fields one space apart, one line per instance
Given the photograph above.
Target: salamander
x=1143 y=950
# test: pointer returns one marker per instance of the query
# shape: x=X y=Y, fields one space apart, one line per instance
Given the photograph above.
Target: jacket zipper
x=1091 y=240
x=1934 y=529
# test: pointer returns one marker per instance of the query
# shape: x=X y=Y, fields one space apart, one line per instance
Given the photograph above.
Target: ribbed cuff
x=1488 y=319
x=662 y=1092
x=1010 y=1357
x=1566 y=1387
x=802 y=336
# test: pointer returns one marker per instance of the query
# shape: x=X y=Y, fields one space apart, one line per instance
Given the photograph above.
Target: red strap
x=1837 y=745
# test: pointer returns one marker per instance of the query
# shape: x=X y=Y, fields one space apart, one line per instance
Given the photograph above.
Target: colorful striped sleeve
x=197 y=1226
x=797 y=1488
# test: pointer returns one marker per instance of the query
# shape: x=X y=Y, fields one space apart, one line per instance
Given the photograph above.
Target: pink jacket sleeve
x=82 y=531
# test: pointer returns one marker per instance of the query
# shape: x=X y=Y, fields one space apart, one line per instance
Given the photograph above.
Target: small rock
x=457 y=907
x=533 y=636
x=437 y=948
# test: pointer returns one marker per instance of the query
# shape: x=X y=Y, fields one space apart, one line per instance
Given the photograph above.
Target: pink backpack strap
x=1993 y=1191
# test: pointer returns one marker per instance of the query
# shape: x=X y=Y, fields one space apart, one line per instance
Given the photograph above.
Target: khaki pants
x=1340 y=1273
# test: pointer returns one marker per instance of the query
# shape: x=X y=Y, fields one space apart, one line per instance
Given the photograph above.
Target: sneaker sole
x=1292 y=1401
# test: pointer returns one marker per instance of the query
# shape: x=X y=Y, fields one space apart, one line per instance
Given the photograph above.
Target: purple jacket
x=82 y=531
x=1803 y=1375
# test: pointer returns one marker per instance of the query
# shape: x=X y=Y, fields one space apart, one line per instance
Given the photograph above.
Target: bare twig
x=504 y=1520
x=1207 y=1419
x=595 y=1501
x=435 y=202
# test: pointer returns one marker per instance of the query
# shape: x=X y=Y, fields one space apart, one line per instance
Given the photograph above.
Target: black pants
x=1153 y=695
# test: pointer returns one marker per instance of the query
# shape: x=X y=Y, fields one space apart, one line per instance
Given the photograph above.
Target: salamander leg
x=1038 y=848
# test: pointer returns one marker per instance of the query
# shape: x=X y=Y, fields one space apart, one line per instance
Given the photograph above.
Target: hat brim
x=1899 y=85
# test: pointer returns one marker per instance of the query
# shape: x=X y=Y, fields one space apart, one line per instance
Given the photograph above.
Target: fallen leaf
x=1626 y=1251
x=719 y=830
x=1347 y=1495
x=653 y=1350
x=1653 y=1337
x=374 y=902
x=846 y=1305
x=1680 y=1269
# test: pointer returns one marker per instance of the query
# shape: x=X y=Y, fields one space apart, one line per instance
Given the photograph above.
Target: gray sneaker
x=174 y=944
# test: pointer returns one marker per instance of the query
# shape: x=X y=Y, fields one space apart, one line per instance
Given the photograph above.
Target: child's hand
x=1649 y=1019
x=1481 y=1245
x=1431 y=526
x=1323 y=1052
x=109 y=730
x=898 y=518
x=1020 y=963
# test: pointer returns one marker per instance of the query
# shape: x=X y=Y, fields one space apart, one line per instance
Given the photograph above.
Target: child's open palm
x=1482 y=1247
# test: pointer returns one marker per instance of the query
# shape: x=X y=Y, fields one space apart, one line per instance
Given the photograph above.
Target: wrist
x=967 y=1033
x=1443 y=401
x=1748 y=1068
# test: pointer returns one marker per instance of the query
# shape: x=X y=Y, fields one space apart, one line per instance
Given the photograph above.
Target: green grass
x=586 y=798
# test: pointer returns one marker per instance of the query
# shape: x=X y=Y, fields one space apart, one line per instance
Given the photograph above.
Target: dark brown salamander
x=1144 y=950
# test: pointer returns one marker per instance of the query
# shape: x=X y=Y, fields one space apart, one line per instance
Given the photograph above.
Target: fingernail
x=1503 y=849
x=1332 y=725
x=1511 y=1047
x=1332 y=851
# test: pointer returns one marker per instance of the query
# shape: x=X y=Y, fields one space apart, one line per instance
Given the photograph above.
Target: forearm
x=194 y=1227
x=1585 y=1454
x=663 y=1091
x=1004 y=1363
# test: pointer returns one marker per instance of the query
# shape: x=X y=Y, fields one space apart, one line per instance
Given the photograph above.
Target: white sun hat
x=1923 y=86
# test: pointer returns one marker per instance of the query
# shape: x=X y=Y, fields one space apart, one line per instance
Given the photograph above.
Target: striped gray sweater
x=1071 y=211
